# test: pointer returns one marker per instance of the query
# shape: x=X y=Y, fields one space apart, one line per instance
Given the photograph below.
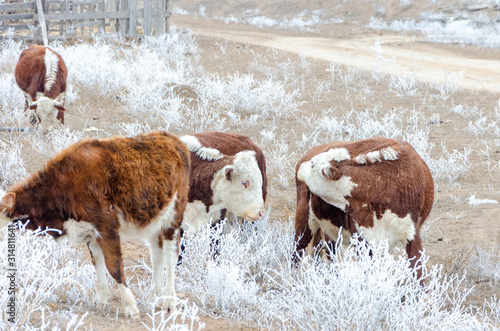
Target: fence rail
x=71 y=18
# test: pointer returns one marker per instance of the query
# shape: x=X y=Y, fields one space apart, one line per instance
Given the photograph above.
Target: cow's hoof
x=132 y=312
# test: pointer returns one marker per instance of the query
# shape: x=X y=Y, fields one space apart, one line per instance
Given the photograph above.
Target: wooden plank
x=41 y=19
x=15 y=6
x=87 y=24
x=133 y=18
x=15 y=26
x=14 y=17
x=146 y=25
x=85 y=16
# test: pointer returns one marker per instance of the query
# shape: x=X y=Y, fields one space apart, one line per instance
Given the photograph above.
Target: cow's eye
x=245 y=183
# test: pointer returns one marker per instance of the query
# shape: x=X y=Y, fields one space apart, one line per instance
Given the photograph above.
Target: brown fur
x=202 y=171
x=30 y=75
x=93 y=180
x=405 y=186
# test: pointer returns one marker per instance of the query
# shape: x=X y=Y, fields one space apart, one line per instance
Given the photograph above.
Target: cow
x=379 y=188
x=100 y=191
x=41 y=74
x=228 y=172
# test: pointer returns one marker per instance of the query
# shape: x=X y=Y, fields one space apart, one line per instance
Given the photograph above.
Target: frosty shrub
x=12 y=167
x=47 y=272
x=364 y=287
x=245 y=95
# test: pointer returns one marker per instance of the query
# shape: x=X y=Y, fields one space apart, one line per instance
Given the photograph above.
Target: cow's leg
x=303 y=233
x=215 y=242
x=100 y=267
x=157 y=263
x=171 y=252
x=182 y=246
x=414 y=250
x=110 y=246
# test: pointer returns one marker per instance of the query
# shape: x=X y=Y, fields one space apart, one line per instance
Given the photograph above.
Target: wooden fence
x=65 y=19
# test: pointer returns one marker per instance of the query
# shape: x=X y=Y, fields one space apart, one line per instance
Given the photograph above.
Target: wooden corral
x=66 y=19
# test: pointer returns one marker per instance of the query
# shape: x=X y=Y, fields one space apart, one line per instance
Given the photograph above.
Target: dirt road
x=401 y=55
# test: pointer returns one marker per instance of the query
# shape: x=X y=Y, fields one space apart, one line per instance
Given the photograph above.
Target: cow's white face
x=7 y=201
x=325 y=180
x=239 y=187
x=48 y=113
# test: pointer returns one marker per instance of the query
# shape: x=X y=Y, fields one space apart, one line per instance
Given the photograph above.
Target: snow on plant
x=131 y=129
x=484 y=265
x=404 y=86
x=9 y=54
x=364 y=287
x=280 y=166
x=47 y=273
x=12 y=167
x=244 y=94
x=450 y=166
x=463 y=32
x=183 y=317
x=55 y=141
x=12 y=102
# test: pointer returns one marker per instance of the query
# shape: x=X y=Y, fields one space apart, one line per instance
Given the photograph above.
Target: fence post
x=147 y=18
x=133 y=18
x=159 y=17
x=41 y=19
x=167 y=16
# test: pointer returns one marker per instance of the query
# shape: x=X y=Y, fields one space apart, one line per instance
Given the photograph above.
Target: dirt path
x=402 y=55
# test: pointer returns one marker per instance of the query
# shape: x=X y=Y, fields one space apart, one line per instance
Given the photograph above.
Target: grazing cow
x=101 y=191
x=228 y=171
x=379 y=188
x=41 y=75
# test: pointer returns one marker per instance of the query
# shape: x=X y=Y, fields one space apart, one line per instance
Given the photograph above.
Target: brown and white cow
x=101 y=191
x=228 y=171
x=379 y=188
x=41 y=74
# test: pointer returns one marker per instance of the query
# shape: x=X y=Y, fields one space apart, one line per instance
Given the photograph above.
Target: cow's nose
x=261 y=214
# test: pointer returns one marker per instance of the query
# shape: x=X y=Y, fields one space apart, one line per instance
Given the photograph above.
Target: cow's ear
x=229 y=173
x=38 y=95
x=8 y=201
x=33 y=106
x=330 y=172
x=60 y=116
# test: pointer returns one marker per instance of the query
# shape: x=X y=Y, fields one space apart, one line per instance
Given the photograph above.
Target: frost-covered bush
x=463 y=32
x=12 y=167
x=47 y=272
x=251 y=279
x=245 y=95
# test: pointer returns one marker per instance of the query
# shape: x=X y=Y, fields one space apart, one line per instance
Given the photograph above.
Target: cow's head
x=47 y=112
x=7 y=202
x=324 y=177
x=239 y=187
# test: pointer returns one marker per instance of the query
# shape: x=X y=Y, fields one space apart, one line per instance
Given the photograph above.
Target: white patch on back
x=79 y=232
x=333 y=192
x=51 y=66
x=205 y=153
x=391 y=228
x=196 y=216
x=129 y=230
x=388 y=154
x=334 y=154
